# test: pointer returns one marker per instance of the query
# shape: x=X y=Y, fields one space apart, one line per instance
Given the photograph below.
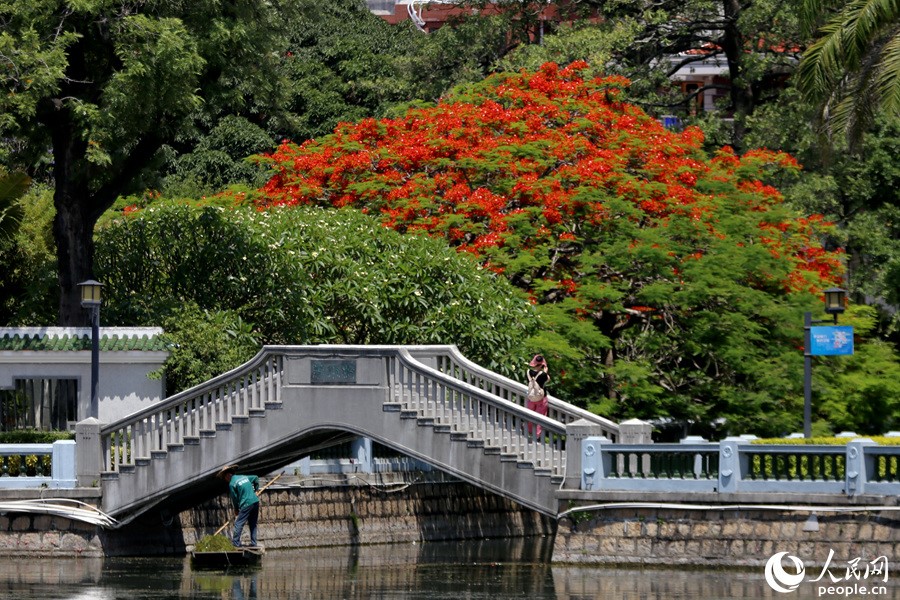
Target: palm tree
x=852 y=71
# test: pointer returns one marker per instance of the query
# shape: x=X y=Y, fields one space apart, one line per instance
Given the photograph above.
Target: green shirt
x=242 y=489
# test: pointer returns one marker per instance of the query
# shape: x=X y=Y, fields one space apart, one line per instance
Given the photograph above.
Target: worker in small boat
x=242 y=491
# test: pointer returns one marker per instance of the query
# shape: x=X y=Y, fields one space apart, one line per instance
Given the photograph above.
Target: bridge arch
x=428 y=402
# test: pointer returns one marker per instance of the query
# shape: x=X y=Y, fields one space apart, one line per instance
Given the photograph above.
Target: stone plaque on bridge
x=333 y=371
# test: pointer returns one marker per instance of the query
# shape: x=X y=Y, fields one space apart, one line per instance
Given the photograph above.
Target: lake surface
x=490 y=570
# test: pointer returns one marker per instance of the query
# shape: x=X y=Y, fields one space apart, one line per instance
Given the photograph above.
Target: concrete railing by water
x=31 y=466
x=737 y=466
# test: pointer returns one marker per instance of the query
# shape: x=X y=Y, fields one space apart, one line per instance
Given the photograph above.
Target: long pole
x=807 y=376
x=260 y=491
x=95 y=361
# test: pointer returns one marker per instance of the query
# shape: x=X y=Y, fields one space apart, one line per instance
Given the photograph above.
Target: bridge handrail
x=512 y=390
x=860 y=466
x=484 y=417
x=200 y=410
x=174 y=400
x=194 y=412
x=488 y=398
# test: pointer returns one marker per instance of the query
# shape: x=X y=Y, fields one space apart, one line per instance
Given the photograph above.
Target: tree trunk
x=73 y=226
x=742 y=97
x=74 y=253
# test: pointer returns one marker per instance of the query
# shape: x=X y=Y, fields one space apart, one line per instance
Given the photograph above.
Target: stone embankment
x=711 y=536
x=336 y=510
x=331 y=511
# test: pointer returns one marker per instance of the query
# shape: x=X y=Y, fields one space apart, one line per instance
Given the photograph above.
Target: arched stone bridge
x=429 y=402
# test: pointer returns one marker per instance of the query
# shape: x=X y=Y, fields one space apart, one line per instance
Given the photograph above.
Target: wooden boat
x=239 y=557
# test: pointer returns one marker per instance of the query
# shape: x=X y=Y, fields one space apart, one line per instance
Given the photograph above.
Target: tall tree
x=852 y=71
x=103 y=84
x=676 y=279
x=756 y=41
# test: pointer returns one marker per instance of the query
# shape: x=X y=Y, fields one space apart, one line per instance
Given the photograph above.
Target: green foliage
x=344 y=63
x=104 y=85
x=33 y=436
x=214 y=543
x=219 y=160
x=852 y=71
x=596 y=43
x=857 y=191
x=27 y=264
x=828 y=440
x=221 y=279
x=204 y=344
x=12 y=187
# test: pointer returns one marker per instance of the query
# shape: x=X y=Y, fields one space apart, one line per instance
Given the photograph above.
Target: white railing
x=193 y=413
x=450 y=361
x=737 y=466
x=479 y=415
x=27 y=466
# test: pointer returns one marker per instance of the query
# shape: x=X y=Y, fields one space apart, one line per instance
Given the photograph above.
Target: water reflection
x=491 y=570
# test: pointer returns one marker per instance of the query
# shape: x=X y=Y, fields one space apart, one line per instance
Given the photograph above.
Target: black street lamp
x=90 y=298
x=834 y=305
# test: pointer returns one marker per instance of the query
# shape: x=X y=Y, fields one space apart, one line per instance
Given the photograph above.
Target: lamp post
x=90 y=298
x=834 y=305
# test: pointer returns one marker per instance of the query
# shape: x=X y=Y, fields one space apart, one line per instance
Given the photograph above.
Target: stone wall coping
x=599 y=497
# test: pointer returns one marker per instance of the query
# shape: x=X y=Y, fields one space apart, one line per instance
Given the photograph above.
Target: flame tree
x=670 y=283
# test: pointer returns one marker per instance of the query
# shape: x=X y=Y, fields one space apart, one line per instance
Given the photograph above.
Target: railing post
x=698 y=458
x=88 y=452
x=576 y=433
x=595 y=464
x=732 y=465
x=62 y=464
x=858 y=466
x=635 y=431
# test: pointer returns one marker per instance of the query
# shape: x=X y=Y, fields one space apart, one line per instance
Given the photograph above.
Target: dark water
x=493 y=570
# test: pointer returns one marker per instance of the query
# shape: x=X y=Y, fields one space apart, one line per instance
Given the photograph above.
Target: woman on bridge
x=538 y=376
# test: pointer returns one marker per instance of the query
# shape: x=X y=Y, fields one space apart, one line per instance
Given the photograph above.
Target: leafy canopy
x=300 y=277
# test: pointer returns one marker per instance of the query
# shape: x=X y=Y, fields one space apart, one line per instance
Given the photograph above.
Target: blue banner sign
x=830 y=341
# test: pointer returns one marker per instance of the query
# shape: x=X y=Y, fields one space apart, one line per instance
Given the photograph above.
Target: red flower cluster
x=533 y=162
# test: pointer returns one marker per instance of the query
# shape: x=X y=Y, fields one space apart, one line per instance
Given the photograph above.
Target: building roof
x=63 y=339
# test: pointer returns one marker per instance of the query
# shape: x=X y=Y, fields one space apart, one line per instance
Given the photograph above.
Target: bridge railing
x=451 y=361
x=861 y=466
x=193 y=413
x=25 y=466
x=185 y=417
x=485 y=417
